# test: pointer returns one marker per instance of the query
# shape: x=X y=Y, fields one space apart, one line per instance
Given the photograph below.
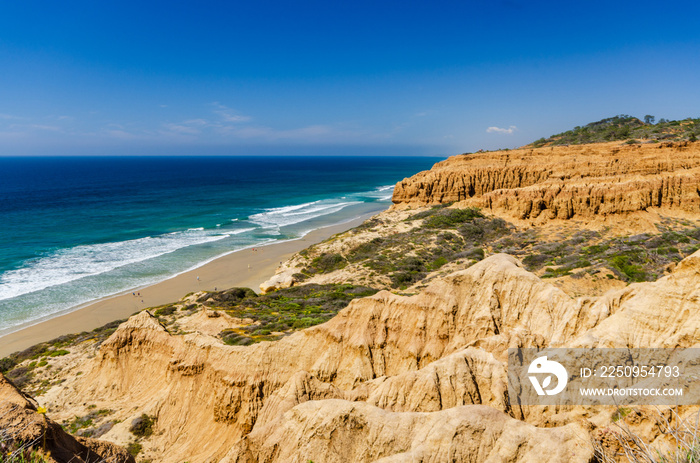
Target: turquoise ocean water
x=76 y=229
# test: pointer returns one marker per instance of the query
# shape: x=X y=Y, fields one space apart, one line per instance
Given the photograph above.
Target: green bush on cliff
x=273 y=315
x=134 y=448
x=451 y=218
x=228 y=296
x=6 y=364
x=624 y=264
x=326 y=263
x=163 y=311
x=142 y=426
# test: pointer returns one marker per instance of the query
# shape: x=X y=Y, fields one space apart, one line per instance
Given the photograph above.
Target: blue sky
x=311 y=77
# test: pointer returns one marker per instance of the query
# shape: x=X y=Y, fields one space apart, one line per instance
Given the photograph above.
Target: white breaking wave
x=290 y=215
x=381 y=193
x=238 y=232
x=288 y=209
x=66 y=265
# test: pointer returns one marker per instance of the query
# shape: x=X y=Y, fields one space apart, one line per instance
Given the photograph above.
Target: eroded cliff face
x=582 y=181
x=390 y=378
x=22 y=426
x=337 y=431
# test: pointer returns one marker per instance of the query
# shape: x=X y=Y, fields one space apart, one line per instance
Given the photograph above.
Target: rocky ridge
x=383 y=374
x=26 y=432
x=567 y=182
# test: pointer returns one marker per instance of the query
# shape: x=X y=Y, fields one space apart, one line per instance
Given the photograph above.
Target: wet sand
x=225 y=272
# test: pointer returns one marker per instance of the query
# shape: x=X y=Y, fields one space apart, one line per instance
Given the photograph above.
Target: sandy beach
x=245 y=268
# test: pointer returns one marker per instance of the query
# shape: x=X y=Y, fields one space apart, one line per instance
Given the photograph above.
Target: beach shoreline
x=244 y=268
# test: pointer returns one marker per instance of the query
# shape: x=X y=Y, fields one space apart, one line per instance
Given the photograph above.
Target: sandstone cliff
x=565 y=182
x=390 y=378
x=340 y=431
x=22 y=426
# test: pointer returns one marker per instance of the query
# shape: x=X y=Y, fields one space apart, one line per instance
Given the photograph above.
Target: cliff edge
x=563 y=182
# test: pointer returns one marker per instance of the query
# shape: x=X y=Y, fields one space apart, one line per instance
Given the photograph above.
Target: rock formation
x=394 y=353
x=337 y=431
x=564 y=182
x=385 y=373
x=21 y=424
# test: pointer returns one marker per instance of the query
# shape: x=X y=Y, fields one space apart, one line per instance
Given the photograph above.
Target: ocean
x=76 y=229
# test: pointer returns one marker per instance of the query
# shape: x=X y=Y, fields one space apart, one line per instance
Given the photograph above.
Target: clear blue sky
x=309 y=77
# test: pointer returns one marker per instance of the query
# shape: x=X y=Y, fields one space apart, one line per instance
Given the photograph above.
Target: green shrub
x=556 y=272
x=622 y=127
x=235 y=339
x=473 y=253
x=539 y=143
x=626 y=267
x=366 y=250
x=142 y=426
x=596 y=249
x=229 y=297
x=287 y=309
x=58 y=353
x=535 y=261
x=405 y=279
x=168 y=310
x=428 y=213
x=6 y=364
x=451 y=218
x=326 y=263
x=134 y=448
x=437 y=263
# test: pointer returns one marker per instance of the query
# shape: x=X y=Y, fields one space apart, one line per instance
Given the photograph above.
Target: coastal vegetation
x=635 y=258
x=269 y=317
x=93 y=424
x=441 y=235
x=23 y=455
x=21 y=367
x=625 y=127
x=142 y=426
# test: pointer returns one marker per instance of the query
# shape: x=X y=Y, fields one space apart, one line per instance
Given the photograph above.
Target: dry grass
x=681 y=440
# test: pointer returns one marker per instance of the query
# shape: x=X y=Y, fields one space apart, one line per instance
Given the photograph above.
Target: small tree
x=649 y=119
